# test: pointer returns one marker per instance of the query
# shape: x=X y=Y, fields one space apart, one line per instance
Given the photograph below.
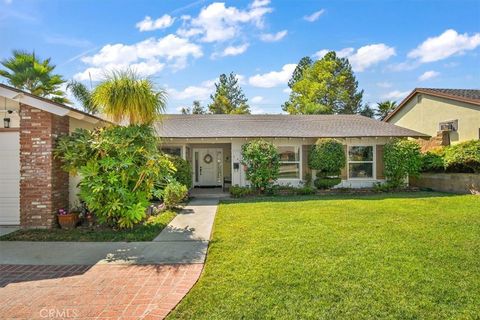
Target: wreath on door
x=207 y=159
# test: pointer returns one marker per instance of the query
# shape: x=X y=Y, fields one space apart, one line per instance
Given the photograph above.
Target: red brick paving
x=94 y=292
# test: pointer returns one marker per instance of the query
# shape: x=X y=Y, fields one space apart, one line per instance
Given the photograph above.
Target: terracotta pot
x=68 y=221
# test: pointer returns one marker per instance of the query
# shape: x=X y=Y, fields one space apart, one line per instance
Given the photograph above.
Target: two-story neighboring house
x=449 y=114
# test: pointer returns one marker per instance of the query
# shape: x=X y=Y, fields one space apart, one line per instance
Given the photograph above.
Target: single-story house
x=33 y=186
x=451 y=114
x=212 y=144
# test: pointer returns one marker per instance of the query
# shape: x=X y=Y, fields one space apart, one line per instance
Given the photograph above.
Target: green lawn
x=390 y=256
x=142 y=232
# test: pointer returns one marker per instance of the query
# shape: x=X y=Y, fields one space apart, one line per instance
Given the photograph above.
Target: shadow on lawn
x=342 y=196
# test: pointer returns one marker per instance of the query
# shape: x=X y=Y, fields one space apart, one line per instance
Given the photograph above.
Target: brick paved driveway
x=93 y=292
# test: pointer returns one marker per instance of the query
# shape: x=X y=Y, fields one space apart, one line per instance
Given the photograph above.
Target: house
x=212 y=144
x=32 y=184
x=448 y=115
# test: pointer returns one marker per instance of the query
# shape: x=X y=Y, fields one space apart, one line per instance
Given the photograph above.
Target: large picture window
x=360 y=162
x=289 y=162
x=173 y=151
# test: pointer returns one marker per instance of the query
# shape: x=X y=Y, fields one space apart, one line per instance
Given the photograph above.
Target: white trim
x=293 y=162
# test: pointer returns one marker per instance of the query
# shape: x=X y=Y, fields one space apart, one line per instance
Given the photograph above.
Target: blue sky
x=394 y=46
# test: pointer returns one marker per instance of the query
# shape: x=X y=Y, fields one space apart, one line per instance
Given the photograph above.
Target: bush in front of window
x=262 y=163
x=328 y=158
x=183 y=173
x=401 y=158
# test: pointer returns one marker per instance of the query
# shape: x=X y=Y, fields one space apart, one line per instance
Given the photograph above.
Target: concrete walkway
x=183 y=241
x=7 y=229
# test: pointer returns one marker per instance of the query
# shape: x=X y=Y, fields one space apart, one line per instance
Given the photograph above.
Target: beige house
x=451 y=113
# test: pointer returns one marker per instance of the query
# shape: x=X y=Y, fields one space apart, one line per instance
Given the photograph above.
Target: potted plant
x=67 y=220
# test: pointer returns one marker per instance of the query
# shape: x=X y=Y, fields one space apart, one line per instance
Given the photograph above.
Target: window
x=360 y=162
x=173 y=151
x=289 y=162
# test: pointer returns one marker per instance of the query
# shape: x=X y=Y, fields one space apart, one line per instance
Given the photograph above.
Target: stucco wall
x=425 y=115
x=462 y=183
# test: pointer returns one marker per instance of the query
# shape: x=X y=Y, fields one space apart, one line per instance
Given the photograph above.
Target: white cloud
x=273 y=78
x=445 y=45
x=233 y=50
x=427 y=75
x=148 y=24
x=257 y=110
x=364 y=57
x=217 y=23
x=257 y=99
x=396 y=95
x=273 y=37
x=200 y=92
x=148 y=56
x=384 y=84
x=403 y=66
x=287 y=90
x=314 y=16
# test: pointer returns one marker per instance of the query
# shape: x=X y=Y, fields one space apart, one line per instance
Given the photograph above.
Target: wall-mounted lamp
x=6 y=122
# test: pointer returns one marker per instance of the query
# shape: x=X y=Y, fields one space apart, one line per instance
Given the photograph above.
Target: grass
x=387 y=256
x=142 y=232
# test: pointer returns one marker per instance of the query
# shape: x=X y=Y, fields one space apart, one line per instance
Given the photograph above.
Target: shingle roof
x=471 y=96
x=301 y=126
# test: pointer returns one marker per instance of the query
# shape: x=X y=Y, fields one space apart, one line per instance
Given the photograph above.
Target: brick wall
x=43 y=184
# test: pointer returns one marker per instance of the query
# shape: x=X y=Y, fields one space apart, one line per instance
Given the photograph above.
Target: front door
x=208 y=167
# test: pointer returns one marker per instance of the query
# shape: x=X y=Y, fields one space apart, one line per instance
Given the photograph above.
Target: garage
x=9 y=178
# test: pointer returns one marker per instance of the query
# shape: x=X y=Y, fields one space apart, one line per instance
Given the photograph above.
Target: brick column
x=43 y=184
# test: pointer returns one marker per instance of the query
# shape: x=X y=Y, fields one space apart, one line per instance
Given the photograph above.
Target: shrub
x=173 y=194
x=463 y=157
x=328 y=156
x=240 y=192
x=119 y=167
x=183 y=173
x=432 y=161
x=262 y=163
x=401 y=159
x=326 y=183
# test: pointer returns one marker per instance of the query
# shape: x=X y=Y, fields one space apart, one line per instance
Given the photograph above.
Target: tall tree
x=304 y=64
x=228 y=97
x=196 y=108
x=28 y=72
x=384 y=108
x=326 y=87
x=83 y=95
x=367 y=111
x=123 y=95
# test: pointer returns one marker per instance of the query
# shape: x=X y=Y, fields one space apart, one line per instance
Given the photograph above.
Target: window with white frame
x=289 y=162
x=360 y=162
x=172 y=150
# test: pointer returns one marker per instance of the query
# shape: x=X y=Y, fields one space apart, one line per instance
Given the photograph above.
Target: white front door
x=208 y=167
x=9 y=178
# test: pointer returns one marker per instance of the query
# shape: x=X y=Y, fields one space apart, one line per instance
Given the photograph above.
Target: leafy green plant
x=463 y=157
x=119 y=168
x=240 y=192
x=433 y=161
x=173 y=194
x=183 y=172
x=401 y=158
x=262 y=163
x=328 y=158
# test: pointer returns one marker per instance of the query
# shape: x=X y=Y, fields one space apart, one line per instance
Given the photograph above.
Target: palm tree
x=384 y=108
x=83 y=95
x=123 y=95
x=27 y=72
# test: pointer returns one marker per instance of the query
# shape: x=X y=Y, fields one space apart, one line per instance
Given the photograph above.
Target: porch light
x=6 y=122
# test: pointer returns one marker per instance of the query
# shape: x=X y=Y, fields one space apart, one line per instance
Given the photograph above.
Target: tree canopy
x=228 y=97
x=328 y=86
x=196 y=108
x=384 y=108
x=28 y=72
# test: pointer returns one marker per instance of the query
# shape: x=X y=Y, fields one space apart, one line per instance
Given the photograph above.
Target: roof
x=471 y=96
x=46 y=104
x=286 y=126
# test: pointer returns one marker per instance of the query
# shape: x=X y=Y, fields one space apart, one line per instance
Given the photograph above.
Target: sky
x=184 y=45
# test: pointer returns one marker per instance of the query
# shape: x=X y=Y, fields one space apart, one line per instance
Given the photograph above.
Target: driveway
x=87 y=280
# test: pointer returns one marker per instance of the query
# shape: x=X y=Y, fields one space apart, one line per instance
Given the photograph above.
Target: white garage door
x=9 y=178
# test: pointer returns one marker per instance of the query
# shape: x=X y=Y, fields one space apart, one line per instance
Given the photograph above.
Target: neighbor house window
x=360 y=162
x=173 y=151
x=289 y=162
